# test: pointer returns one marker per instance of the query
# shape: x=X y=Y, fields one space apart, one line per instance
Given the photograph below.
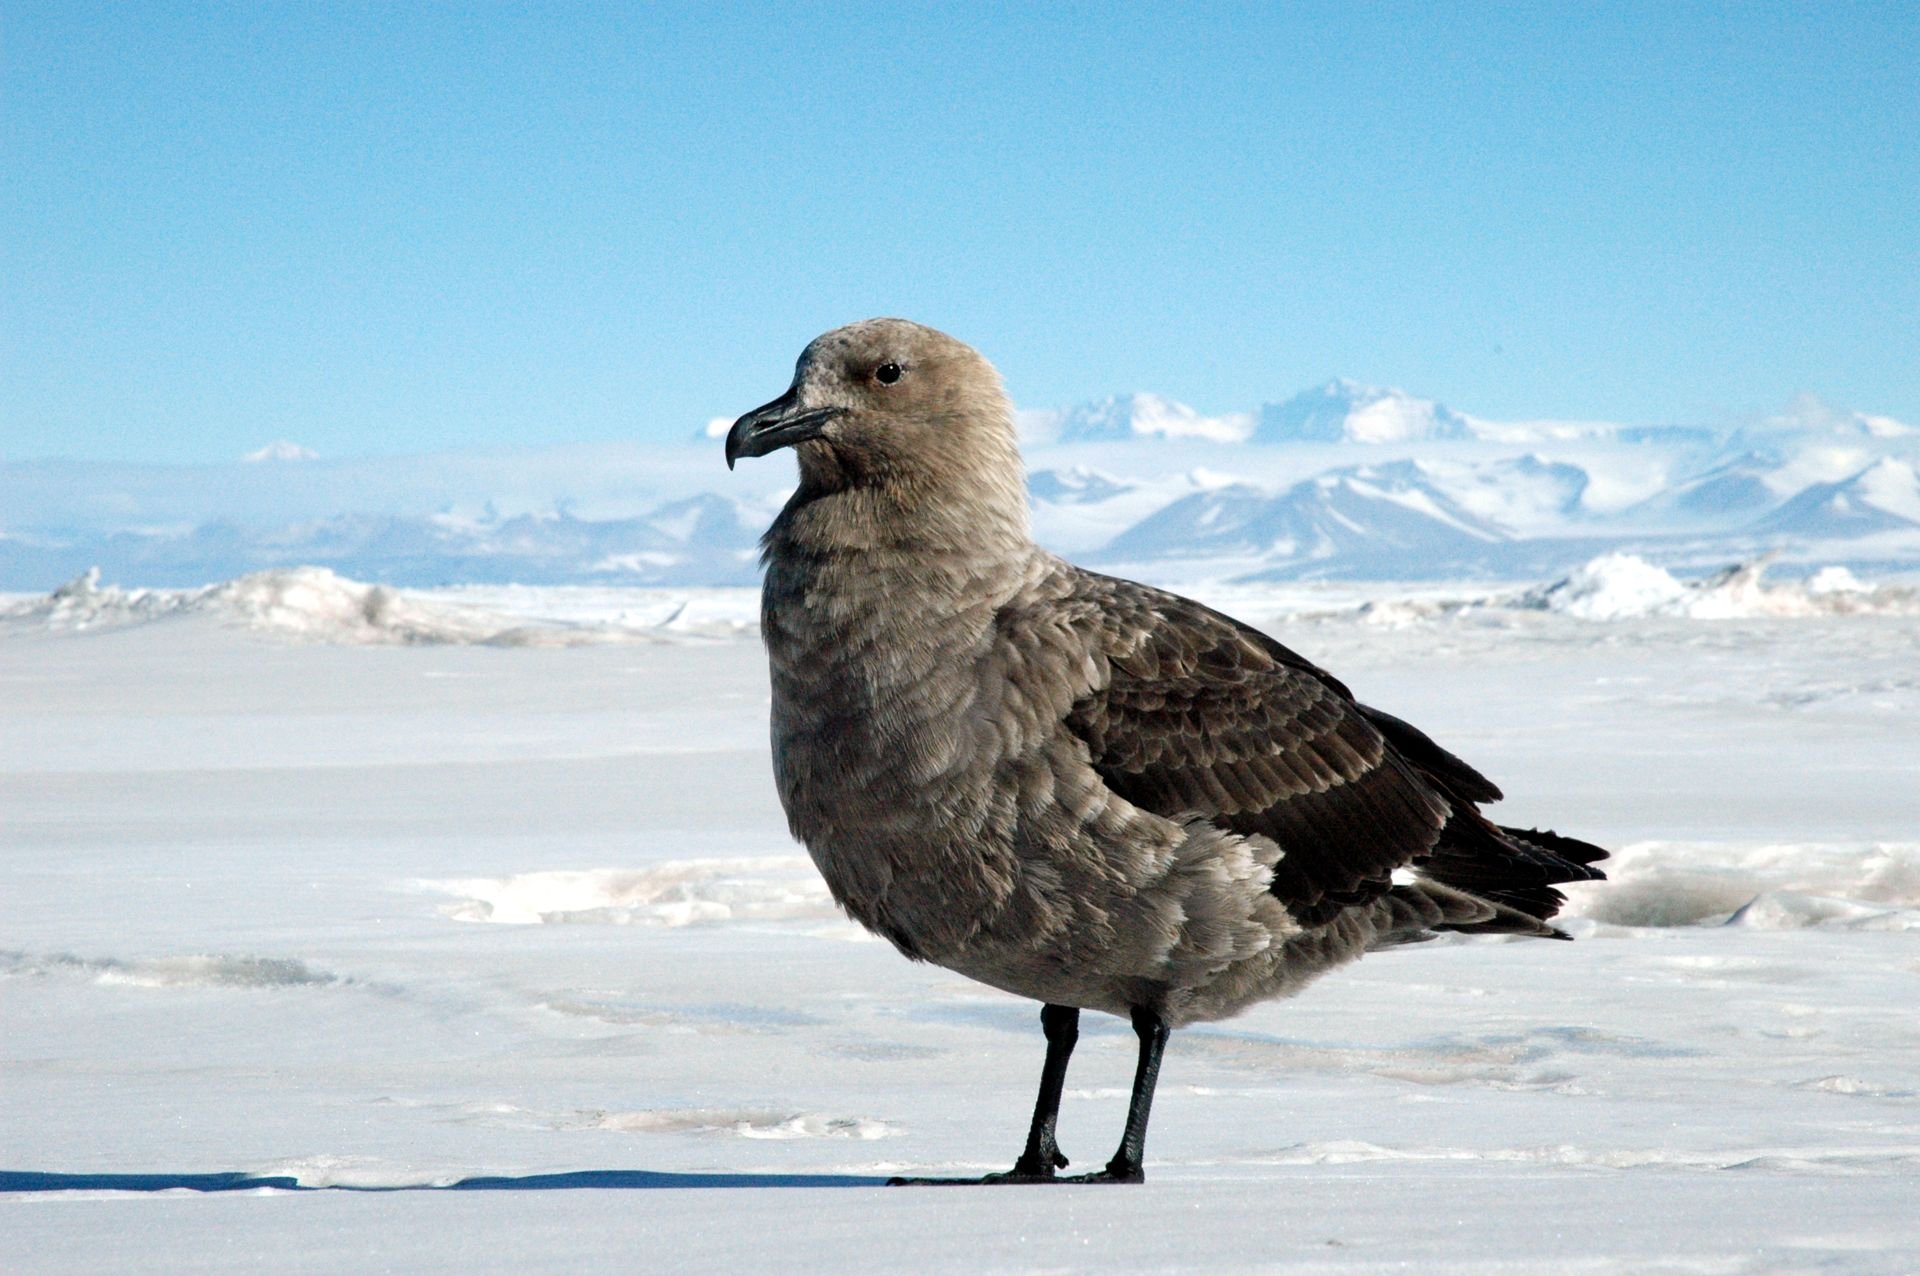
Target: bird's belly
x=917 y=859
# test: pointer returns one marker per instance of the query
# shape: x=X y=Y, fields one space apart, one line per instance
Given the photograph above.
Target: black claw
x=1116 y=1172
x=1035 y=1168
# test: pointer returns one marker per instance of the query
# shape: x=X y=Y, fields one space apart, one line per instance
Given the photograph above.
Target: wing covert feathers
x=1201 y=715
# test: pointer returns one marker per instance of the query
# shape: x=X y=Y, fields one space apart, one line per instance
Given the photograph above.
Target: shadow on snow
x=41 y=1181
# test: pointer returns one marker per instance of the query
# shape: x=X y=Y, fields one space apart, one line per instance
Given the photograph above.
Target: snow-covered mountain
x=1358 y=520
x=704 y=539
x=1809 y=414
x=1347 y=412
x=1883 y=497
x=1140 y=416
x=1736 y=487
x=1342 y=480
x=1521 y=494
x=281 y=450
x=1075 y=485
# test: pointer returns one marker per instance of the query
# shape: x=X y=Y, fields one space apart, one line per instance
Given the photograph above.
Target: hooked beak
x=775 y=425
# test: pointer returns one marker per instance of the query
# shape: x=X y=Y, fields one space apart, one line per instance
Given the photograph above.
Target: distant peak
x=1809 y=412
x=1144 y=414
x=1344 y=411
x=281 y=450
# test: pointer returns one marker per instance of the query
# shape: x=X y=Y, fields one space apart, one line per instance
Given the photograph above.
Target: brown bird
x=1072 y=787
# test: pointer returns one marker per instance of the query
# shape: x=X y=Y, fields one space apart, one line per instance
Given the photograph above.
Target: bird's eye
x=887 y=373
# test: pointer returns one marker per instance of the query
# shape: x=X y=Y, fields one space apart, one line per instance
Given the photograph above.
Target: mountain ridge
x=1347 y=480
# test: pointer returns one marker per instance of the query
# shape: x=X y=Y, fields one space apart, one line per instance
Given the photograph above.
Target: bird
x=1079 y=789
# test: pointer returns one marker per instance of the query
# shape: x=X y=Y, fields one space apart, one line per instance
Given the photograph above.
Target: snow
x=282 y=450
x=1138 y=415
x=1815 y=486
x=1810 y=413
x=314 y=603
x=676 y=893
x=1894 y=486
x=1883 y=427
x=1525 y=494
x=1612 y=586
x=1786 y=886
x=1616 y=586
x=296 y=902
x=1342 y=410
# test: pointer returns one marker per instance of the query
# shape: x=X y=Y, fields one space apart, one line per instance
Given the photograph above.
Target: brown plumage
x=1077 y=788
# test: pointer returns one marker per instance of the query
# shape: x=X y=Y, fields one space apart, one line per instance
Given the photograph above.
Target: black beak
x=775 y=425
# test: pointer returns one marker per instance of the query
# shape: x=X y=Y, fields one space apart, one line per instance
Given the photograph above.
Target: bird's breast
x=871 y=697
x=889 y=739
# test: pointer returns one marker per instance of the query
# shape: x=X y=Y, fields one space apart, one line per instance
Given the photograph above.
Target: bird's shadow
x=234 y=1181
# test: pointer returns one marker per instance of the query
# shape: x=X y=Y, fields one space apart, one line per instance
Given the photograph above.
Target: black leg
x=1125 y=1167
x=1042 y=1156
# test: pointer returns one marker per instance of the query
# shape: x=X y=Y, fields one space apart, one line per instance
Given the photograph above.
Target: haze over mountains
x=1342 y=480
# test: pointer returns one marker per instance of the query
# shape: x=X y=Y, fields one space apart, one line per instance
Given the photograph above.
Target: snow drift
x=1784 y=886
x=314 y=604
x=1623 y=586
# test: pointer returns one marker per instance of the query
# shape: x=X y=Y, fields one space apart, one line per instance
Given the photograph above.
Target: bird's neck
x=984 y=519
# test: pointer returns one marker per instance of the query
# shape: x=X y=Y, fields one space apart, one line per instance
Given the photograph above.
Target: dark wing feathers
x=1461 y=780
x=1203 y=715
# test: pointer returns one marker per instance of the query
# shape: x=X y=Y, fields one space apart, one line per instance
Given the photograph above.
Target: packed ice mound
x=746 y=1123
x=1610 y=587
x=305 y=602
x=311 y=604
x=1624 y=586
x=676 y=893
x=1782 y=886
x=83 y=603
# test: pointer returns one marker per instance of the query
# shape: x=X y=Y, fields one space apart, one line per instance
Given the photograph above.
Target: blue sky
x=402 y=228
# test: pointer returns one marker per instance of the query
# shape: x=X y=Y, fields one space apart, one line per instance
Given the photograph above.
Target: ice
x=1776 y=886
x=677 y=893
x=1618 y=586
x=1612 y=586
x=171 y=972
x=315 y=604
x=325 y=949
x=309 y=602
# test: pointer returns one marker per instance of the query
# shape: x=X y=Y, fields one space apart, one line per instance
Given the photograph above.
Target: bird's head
x=889 y=403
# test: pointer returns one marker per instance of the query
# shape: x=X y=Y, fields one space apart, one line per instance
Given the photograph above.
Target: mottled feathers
x=1202 y=714
x=1078 y=788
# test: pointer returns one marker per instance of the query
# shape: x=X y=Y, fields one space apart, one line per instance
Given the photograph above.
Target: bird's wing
x=1201 y=715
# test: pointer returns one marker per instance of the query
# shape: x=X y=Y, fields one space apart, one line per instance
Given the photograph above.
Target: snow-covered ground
x=351 y=888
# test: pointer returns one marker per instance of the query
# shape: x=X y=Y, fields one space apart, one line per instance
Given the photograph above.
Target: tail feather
x=1419 y=910
x=1516 y=869
x=1513 y=869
